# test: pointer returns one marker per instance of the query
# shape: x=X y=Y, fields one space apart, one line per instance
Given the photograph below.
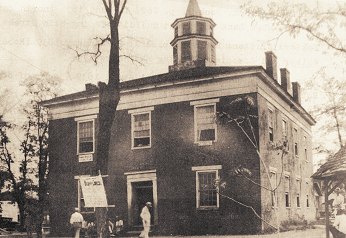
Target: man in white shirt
x=76 y=221
x=338 y=202
x=145 y=215
x=338 y=229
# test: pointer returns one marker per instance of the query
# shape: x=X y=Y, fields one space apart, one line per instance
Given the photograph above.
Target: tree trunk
x=109 y=96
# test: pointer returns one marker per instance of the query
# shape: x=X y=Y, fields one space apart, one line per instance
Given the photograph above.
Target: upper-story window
x=299 y=190
x=274 y=184
x=201 y=28
x=175 y=54
x=296 y=146
x=141 y=127
x=206 y=191
x=205 y=121
x=201 y=50
x=271 y=124
x=185 y=51
x=287 y=190
x=284 y=130
x=186 y=28
x=86 y=136
x=213 y=54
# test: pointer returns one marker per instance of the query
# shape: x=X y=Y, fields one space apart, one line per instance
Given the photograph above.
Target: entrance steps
x=134 y=231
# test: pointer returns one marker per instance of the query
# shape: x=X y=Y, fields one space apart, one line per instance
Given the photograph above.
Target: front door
x=142 y=193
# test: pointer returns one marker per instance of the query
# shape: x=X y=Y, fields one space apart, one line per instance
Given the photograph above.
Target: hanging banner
x=94 y=192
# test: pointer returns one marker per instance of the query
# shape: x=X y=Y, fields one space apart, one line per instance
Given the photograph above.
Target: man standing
x=145 y=215
x=338 y=229
x=76 y=221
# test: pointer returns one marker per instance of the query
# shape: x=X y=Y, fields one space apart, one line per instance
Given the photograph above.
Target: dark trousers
x=336 y=233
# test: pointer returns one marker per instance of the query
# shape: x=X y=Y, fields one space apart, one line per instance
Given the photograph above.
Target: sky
x=40 y=35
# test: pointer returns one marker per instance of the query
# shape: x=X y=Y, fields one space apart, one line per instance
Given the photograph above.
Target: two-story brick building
x=167 y=147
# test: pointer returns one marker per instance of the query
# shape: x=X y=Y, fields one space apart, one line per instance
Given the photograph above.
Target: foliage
x=242 y=113
x=325 y=25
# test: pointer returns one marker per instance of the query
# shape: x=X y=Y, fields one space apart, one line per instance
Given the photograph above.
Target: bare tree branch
x=132 y=59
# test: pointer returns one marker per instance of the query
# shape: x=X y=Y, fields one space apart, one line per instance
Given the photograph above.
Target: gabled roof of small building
x=334 y=168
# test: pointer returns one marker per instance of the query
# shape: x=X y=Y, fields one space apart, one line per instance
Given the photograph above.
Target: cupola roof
x=193 y=9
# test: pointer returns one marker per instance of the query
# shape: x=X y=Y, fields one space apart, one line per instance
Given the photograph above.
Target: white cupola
x=193 y=43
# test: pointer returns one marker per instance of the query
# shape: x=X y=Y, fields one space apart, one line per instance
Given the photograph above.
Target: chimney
x=296 y=92
x=90 y=87
x=271 y=65
x=285 y=80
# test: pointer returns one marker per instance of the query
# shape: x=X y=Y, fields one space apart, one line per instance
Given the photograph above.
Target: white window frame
x=284 y=129
x=203 y=103
x=206 y=169
x=133 y=113
x=82 y=120
x=287 y=175
x=274 y=171
x=299 y=194
x=271 y=111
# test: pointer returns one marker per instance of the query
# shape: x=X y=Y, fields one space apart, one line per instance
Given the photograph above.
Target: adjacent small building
x=167 y=146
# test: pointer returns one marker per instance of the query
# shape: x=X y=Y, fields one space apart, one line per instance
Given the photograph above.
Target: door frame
x=141 y=176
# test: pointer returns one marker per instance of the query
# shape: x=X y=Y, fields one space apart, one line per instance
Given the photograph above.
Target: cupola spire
x=193 y=9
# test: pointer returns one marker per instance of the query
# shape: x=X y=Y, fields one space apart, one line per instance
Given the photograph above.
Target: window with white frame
x=271 y=124
x=274 y=183
x=287 y=190
x=86 y=137
x=307 y=196
x=295 y=136
x=206 y=191
x=284 y=130
x=141 y=129
x=299 y=190
x=205 y=123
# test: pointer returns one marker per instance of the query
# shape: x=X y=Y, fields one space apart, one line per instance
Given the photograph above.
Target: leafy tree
x=241 y=114
x=325 y=24
x=19 y=184
x=35 y=148
x=330 y=110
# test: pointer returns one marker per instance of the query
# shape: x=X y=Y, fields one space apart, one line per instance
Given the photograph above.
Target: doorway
x=141 y=188
x=142 y=193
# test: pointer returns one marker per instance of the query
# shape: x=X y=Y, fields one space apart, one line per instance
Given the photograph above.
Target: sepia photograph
x=173 y=118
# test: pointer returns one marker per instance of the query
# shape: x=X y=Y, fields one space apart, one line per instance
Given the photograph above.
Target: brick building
x=166 y=146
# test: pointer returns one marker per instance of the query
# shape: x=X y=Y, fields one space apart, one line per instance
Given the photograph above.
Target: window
x=271 y=124
x=175 y=54
x=307 y=201
x=299 y=191
x=205 y=124
x=213 y=54
x=287 y=191
x=185 y=51
x=296 y=152
x=284 y=130
x=201 y=50
x=141 y=130
x=273 y=181
x=206 y=191
x=186 y=28
x=176 y=31
x=211 y=31
x=85 y=137
x=201 y=28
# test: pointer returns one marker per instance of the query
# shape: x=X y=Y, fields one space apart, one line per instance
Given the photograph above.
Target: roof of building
x=193 y=9
x=334 y=168
x=174 y=76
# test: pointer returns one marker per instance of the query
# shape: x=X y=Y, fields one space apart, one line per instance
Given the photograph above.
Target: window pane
x=205 y=122
x=175 y=54
x=201 y=28
x=86 y=137
x=201 y=50
x=185 y=51
x=186 y=28
x=207 y=190
x=141 y=130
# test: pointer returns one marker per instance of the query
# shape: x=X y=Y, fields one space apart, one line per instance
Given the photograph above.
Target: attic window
x=201 y=28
